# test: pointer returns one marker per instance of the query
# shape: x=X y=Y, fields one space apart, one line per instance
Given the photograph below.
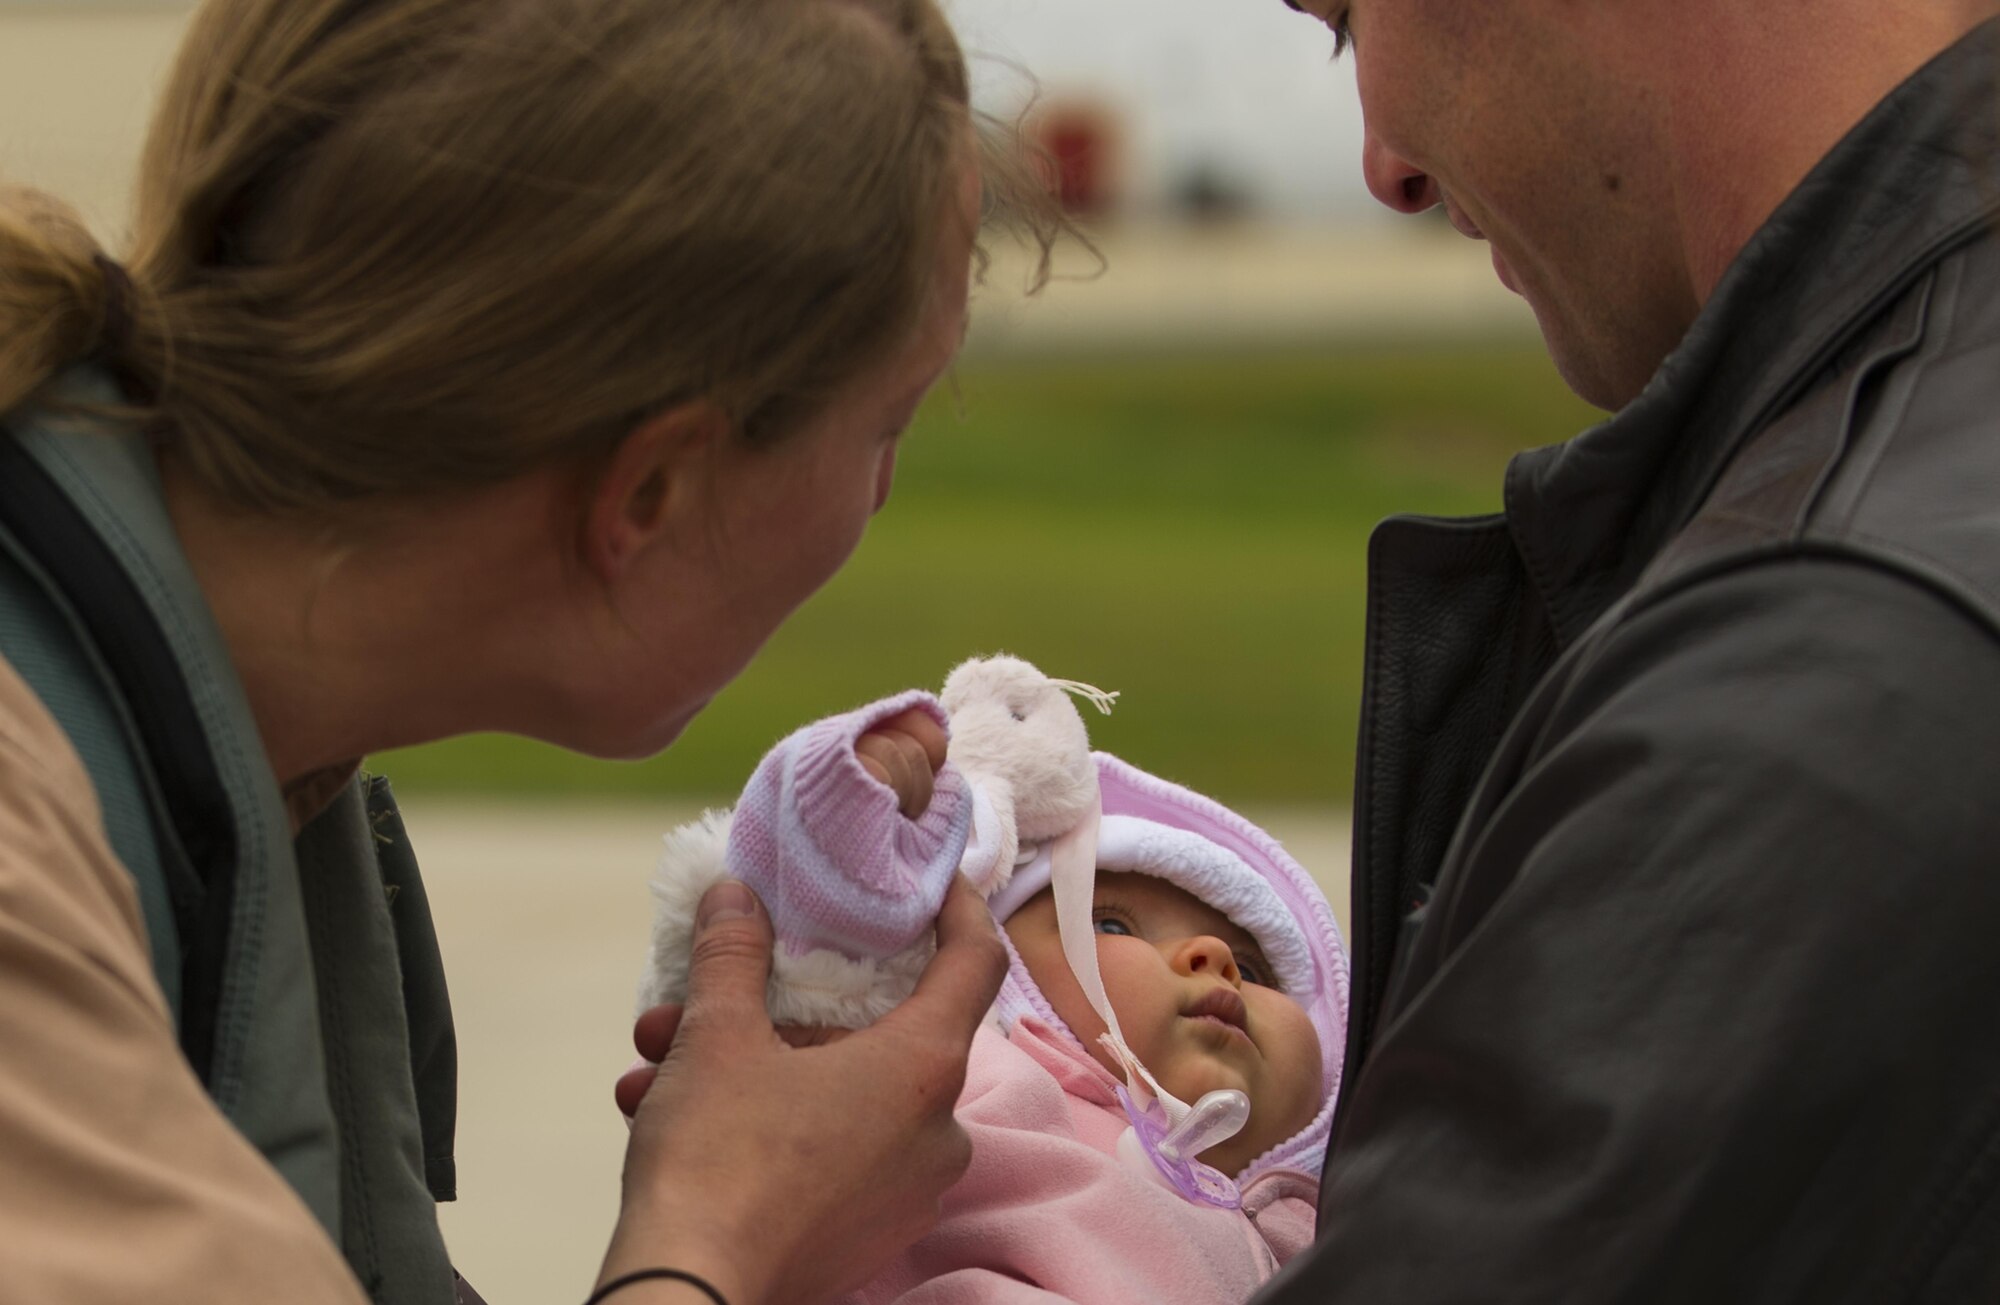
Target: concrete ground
x=543 y=915
x=1247 y=286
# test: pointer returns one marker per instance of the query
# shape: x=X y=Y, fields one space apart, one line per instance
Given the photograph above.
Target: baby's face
x=1195 y=999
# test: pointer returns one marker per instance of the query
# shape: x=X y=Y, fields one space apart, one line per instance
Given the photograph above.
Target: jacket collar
x=1917 y=178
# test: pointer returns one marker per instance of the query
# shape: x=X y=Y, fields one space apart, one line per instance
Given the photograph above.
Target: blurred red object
x=1080 y=144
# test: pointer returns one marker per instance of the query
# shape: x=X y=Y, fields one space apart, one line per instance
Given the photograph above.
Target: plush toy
x=1020 y=742
x=851 y=884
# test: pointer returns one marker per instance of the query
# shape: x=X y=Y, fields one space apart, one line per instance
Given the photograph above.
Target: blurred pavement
x=543 y=915
x=1244 y=286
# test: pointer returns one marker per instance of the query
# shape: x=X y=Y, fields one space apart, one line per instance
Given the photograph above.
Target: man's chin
x=1584 y=369
x=1608 y=360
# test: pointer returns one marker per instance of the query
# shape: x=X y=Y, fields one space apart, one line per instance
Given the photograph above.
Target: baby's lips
x=1224 y=1004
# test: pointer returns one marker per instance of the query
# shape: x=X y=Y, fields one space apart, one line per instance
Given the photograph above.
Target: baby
x=1212 y=952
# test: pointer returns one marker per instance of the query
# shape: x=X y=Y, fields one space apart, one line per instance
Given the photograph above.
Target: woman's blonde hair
x=391 y=247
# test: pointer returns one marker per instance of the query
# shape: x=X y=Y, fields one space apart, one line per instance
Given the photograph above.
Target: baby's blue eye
x=1114 y=926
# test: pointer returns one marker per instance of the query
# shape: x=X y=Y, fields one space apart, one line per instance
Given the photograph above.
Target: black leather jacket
x=1677 y=845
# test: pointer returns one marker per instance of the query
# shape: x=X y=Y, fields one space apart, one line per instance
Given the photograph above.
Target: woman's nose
x=1207 y=956
x=1394 y=180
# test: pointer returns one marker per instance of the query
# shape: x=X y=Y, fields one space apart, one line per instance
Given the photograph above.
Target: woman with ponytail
x=516 y=365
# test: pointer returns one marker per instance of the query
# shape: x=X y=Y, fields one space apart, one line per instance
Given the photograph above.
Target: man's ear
x=650 y=484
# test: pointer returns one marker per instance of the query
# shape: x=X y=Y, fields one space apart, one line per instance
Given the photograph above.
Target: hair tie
x=656 y=1275
x=118 y=296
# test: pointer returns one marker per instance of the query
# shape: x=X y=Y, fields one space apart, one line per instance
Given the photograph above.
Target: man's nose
x=1395 y=181
x=1206 y=955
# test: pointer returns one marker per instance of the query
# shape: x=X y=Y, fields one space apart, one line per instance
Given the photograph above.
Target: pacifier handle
x=1211 y=1121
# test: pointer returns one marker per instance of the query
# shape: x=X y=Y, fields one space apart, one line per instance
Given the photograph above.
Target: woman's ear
x=651 y=485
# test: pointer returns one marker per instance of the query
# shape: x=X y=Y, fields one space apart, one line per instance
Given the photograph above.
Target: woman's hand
x=786 y=1173
x=905 y=752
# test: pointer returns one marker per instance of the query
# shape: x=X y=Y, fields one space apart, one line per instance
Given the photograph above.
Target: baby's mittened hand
x=904 y=752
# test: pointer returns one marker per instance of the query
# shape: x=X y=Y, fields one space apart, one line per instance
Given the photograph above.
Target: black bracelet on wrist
x=650 y=1275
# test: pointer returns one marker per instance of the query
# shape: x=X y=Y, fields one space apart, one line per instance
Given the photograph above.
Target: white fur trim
x=1029 y=877
x=1217 y=876
x=819 y=988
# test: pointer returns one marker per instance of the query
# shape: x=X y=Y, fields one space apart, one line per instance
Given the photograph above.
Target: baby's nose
x=1207 y=955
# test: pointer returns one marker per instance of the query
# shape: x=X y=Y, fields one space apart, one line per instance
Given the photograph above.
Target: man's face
x=1532 y=123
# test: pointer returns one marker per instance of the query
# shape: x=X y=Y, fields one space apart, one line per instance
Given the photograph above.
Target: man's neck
x=1759 y=94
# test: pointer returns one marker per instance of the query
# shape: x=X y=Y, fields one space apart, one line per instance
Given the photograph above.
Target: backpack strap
x=301 y=964
x=87 y=600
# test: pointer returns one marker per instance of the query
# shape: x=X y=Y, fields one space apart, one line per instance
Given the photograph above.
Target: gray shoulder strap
x=390 y=1146
x=221 y=855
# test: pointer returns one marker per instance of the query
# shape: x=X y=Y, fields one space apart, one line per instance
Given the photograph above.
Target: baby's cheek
x=1146 y=995
x=1292 y=1053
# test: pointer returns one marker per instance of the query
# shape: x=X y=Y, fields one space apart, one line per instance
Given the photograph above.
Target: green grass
x=1190 y=532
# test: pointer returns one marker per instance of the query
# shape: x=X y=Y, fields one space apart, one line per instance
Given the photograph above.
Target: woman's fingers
x=730 y=970
x=957 y=988
x=631 y=1088
x=898 y=760
x=798 y=1170
x=873 y=765
x=920 y=726
x=653 y=1032
x=729 y=967
x=653 y=1037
